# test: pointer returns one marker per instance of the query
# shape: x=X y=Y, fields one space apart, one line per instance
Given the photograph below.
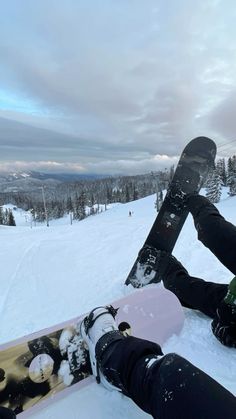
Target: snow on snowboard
x=193 y=167
x=50 y=363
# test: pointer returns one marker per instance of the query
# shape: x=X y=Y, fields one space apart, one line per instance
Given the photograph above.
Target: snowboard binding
x=146 y=270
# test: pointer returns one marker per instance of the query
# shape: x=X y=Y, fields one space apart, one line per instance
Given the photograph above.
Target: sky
x=114 y=87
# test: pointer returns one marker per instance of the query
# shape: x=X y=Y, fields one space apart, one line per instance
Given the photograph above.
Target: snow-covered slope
x=52 y=274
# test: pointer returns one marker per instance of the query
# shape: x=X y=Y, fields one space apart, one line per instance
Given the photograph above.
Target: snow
x=50 y=274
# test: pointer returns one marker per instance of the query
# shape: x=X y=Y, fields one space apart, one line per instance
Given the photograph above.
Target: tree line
x=224 y=174
x=88 y=197
x=6 y=217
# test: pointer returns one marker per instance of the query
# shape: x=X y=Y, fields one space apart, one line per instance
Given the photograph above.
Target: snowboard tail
x=43 y=366
x=191 y=172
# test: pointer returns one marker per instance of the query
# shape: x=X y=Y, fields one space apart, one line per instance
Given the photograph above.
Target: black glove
x=224 y=325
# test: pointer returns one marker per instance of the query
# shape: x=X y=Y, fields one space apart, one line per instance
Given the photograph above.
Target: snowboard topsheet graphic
x=38 y=367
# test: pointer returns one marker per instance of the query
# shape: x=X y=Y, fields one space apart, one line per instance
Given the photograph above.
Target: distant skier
x=164 y=386
x=217 y=301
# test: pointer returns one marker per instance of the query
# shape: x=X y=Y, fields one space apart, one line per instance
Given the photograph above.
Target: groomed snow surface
x=51 y=274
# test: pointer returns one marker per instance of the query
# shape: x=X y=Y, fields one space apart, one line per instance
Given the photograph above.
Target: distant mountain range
x=43 y=176
x=25 y=181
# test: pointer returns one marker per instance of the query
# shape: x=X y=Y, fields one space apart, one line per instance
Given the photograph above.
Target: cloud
x=222 y=118
x=73 y=153
x=135 y=167
x=41 y=166
x=103 y=167
x=113 y=81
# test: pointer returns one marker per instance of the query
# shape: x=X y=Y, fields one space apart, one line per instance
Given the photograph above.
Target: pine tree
x=75 y=207
x=231 y=181
x=230 y=170
x=171 y=173
x=135 y=193
x=69 y=205
x=159 y=199
x=213 y=187
x=221 y=170
x=208 y=180
x=57 y=210
x=232 y=189
x=108 y=195
x=11 y=220
x=80 y=207
x=6 y=217
x=33 y=215
x=161 y=196
x=127 y=195
x=91 y=205
x=39 y=212
x=1 y=216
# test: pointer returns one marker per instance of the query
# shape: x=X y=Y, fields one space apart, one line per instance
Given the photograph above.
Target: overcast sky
x=114 y=86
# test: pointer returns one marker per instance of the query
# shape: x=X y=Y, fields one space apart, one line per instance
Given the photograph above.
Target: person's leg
x=184 y=391
x=6 y=413
x=213 y=230
x=191 y=291
x=166 y=387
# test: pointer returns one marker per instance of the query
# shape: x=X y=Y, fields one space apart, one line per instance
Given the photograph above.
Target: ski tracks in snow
x=19 y=280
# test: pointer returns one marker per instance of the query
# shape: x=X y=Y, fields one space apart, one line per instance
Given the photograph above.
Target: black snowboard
x=194 y=164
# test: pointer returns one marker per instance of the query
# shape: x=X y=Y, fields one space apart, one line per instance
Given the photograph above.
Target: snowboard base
x=194 y=164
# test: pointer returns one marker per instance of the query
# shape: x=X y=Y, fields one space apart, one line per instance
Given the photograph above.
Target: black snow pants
x=219 y=236
x=169 y=386
x=166 y=387
x=6 y=413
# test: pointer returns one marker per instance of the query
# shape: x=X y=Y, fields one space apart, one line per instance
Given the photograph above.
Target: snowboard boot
x=99 y=330
x=146 y=271
x=154 y=266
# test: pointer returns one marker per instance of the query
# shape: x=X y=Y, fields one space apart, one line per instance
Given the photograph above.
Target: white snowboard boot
x=99 y=330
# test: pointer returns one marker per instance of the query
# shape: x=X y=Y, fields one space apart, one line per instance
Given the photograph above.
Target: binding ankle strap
x=90 y=319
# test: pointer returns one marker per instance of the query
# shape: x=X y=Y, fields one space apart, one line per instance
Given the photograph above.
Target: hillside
x=52 y=274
